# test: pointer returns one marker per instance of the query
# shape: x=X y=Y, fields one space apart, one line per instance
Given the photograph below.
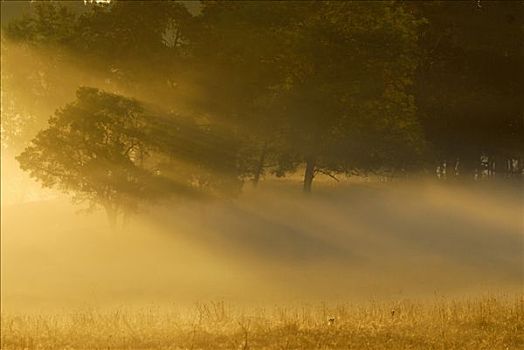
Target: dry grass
x=484 y=323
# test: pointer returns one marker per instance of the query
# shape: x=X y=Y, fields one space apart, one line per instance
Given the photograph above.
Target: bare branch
x=327 y=173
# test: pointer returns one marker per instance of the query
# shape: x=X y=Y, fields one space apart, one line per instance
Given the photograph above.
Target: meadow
x=261 y=175
x=489 y=322
x=441 y=271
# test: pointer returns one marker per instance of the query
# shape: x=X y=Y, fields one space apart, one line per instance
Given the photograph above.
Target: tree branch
x=327 y=173
x=130 y=148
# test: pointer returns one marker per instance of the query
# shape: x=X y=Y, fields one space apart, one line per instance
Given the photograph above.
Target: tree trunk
x=492 y=165
x=260 y=166
x=309 y=174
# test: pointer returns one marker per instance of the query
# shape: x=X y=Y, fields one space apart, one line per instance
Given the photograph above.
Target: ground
x=491 y=322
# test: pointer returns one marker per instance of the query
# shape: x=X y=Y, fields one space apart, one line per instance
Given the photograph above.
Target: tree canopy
x=239 y=90
x=107 y=150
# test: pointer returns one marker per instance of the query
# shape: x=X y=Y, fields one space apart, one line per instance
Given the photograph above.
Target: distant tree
x=33 y=84
x=123 y=43
x=47 y=23
x=236 y=78
x=347 y=93
x=38 y=72
x=320 y=77
x=107 y=150
x=469 y=88
x=95 y=149
x=271 y=87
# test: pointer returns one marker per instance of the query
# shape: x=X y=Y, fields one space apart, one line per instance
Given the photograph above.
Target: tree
x=321 y=75
x=349 y=100
x=123 y=44
x=237 y=80
x=95 y=149
x=110 y=151
x=469 y=87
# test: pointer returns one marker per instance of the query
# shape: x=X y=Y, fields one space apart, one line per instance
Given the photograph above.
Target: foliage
x=313 y=83
x=105 y=149
x=469 y=89
x=271 y=87
x=93 y=148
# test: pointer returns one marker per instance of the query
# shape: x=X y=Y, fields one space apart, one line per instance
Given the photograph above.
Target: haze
x=260 y=153
x=351 y=242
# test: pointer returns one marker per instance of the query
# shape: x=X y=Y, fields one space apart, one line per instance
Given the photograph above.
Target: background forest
x=275 y=175
x=155 y=100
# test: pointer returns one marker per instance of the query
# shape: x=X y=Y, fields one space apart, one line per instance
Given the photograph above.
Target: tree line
x=199 y=102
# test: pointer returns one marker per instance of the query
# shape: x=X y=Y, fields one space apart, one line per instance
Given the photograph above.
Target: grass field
x=482 y=323
x=443 y=270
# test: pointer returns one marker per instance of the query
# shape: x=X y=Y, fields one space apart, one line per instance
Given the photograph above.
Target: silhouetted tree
x=107 y=150
x=269 y=87
x=319 y=78
x=469 y=87
x=95 y=149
